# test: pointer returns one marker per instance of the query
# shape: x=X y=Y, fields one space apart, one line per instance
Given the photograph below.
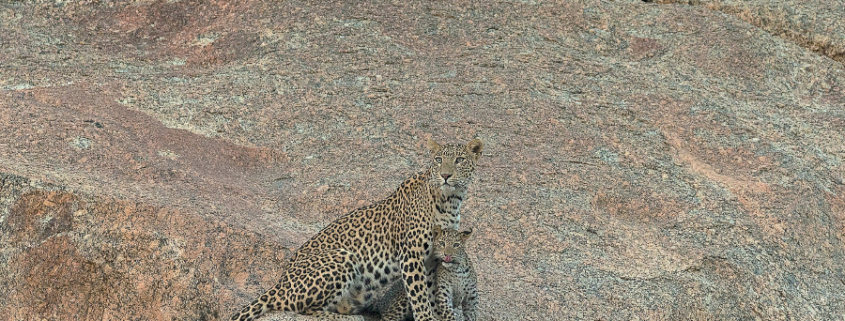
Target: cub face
x=449 y=247
x=453 y=165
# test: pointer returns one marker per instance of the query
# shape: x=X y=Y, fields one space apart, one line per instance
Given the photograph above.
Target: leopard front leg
x=414 y=276
x=443 y=301
x=470 y=305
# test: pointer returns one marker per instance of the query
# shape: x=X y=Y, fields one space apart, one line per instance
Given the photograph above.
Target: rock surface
x=817 y=25
x=161 y=159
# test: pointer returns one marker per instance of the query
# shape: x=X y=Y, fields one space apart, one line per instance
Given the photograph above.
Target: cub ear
x=433 y=146
x=465 y=234
x=437 y=230
x=475 y=146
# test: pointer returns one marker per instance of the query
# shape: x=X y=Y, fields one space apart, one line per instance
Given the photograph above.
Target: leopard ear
x=433 y=146
x=437 y=230
x=465 y=235
x=475 y=146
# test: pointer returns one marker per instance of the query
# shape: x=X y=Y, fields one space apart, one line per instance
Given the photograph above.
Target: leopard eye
x=459 y=160
x=442 y=243
x=456 y=245
x=438 y=160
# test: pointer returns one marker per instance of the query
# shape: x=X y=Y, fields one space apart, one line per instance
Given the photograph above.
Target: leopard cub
x=455 y=280
x=454 y=290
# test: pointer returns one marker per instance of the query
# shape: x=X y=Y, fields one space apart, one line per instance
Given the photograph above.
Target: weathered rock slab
x=817 y=25
x=161 y=159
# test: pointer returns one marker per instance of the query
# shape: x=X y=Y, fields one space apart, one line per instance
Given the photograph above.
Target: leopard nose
x=446 y=176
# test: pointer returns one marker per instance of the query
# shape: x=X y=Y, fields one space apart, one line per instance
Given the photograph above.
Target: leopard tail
x=265 y=303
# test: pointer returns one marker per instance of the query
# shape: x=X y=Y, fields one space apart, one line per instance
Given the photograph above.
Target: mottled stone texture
x=642 y=161
x=818 y=25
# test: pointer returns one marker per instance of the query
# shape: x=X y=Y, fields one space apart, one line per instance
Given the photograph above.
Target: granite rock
x=817 y=25
x=160 y=159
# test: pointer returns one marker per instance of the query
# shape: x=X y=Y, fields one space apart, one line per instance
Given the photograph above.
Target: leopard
x=455 y=290
x=342 y=268
x=455 y=283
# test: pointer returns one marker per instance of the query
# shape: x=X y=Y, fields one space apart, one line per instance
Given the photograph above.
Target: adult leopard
x=342 y=268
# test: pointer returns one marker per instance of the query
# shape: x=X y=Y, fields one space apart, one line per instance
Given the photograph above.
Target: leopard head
x=453 y=165
x=449 y=247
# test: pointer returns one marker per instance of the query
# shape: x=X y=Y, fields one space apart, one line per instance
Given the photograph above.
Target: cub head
x=452 y=165
x=449 y=246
